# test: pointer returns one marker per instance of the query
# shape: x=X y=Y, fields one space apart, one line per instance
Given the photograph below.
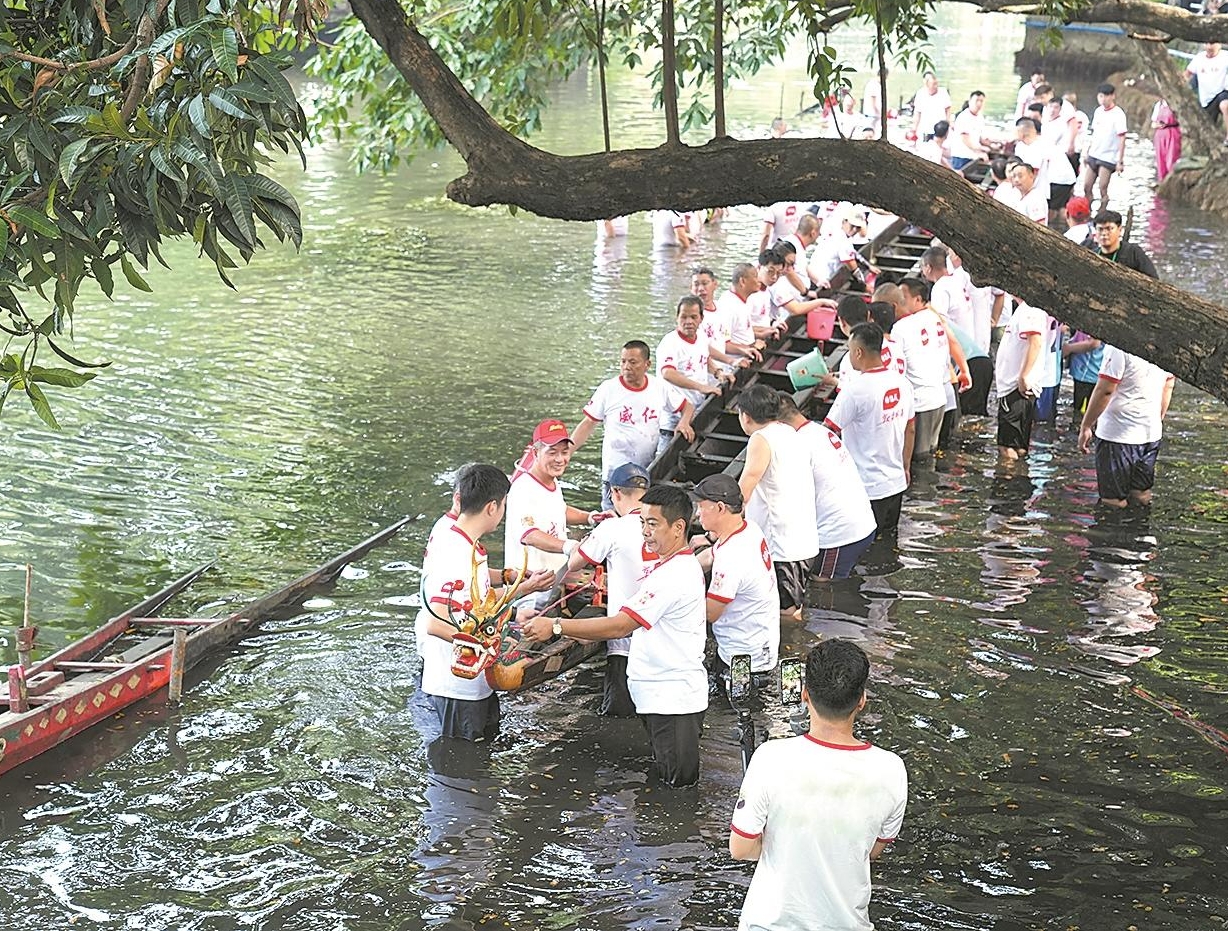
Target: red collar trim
x=550 y=488
x=831 y=746
x=623 y=382
x=737 y=295
x=732 y=535
x=470 y=540
x=685 y=339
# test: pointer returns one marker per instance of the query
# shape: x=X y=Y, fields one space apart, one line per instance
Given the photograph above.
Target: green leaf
x=38 y=401
x=73 y=360
x=64 y=378
x=70 y=159
x=239 y=204
x=132 y=275
x=261 y=186
x=225 y=46
x=224 y=102
x=274 y=80
x=34 y=220
x=4 y=239
x=199 y=116
x=102 y=274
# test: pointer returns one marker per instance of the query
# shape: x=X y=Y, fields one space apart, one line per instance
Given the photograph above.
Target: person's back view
x=815 y=810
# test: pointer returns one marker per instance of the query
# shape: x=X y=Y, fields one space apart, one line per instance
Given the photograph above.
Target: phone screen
x=739 y=677
x=791 y=675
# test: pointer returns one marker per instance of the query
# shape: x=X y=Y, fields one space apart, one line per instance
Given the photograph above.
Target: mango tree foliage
x=122 y=123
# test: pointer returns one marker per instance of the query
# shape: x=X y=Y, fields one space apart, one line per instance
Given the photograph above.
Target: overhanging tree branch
x=1173 y=20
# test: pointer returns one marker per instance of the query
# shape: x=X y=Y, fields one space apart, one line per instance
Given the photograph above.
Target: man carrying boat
x=537 y=515
x=619 y=544
x=735 y=304
x=632 y=410
x=683 y=360
x=814 y=810
x=666 y=616
x=777 y=465
x=717 y=326
x=453 y=566
x=743 y=604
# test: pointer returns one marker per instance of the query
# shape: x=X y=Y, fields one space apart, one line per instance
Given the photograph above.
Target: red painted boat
x=129 y=658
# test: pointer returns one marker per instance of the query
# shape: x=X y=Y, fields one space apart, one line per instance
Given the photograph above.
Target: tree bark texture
x=1199 y=136
x=669 y=74
x=1173 y=21
x=1176 y=330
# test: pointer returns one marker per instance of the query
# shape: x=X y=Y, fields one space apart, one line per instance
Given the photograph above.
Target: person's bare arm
x=678 y=380
x=581 y=628
x=1099 y=400
x=910 y=443
x=1029 y=359
x=765 y=239
x=715 y=608
x=758 y=458
x=745 y=848
x=1167 y=397
x=584 y=429
x=961 y=363
x=684 y=421
x=877 y=850
x=540 y=540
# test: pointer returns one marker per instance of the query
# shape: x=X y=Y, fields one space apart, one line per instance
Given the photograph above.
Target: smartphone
x=792 y=672
x=739 y=677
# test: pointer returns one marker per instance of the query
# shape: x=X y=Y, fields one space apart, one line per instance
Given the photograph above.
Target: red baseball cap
x=1078 y=208
x=551 y=433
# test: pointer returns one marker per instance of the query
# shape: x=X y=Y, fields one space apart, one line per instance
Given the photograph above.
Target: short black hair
x=976 y=94
x=998 y=167
x=771 y=257
x=941 y=128
x=703 y=270
x=1024 y=120
x=882 y=314
x=688 y=299
x=852 y=310
x=1104 y=217
x=935 y=257
x=640 y=345
x=869 y=336
x=760 y=403
x=479 y=485
x=784 y=248
x=674 y=502
x=788 y=406
x=917 y=288
x=1042 y=88
x=836 y=674
x=1106 y=89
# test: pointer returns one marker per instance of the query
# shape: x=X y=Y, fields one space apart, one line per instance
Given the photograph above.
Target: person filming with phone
x=815 y=810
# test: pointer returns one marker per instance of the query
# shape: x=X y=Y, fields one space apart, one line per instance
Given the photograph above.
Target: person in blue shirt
x=1084 y=354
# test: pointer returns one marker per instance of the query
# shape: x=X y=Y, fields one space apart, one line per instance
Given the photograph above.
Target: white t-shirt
x=786 y=518
x=871 y=98
x=1133 y=414
x=842 y=507
x=1212 y=75
x=982 y=315
x=743 y=581
x=932 y=108
x=1025 y=322
x=801 y=261
x=619 y=543
x=739 y=314
x=871 y=413
x=665 y=667
x=446 y=521
x=1026 y=92
x=832 y=251
x=664 y=223
x=927 y=357
x=1078 y=233
x=533 y=506
x=689 y=358
x=1007 y=195
x=1052 y=166
x=783 y=216
x=820 y=808
x=631 y=419
x=779 y=295
x=951 y=297
x=449 y=558
x=972 y=124
x=761 y=307
x=1034 y=204
x=1108 y=126
x=716 y=327
x=619 y=226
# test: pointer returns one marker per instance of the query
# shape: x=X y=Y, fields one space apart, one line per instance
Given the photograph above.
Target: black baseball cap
x=721 y=488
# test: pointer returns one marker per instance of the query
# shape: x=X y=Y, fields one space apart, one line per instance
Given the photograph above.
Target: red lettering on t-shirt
x=891 y=398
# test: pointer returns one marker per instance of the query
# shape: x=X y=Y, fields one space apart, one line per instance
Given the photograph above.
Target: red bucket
x=819 y=323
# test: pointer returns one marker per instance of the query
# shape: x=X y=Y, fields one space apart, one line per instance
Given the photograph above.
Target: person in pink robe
x=1166 y=137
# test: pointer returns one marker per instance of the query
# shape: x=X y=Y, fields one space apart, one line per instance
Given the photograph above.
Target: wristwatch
x=558 y=627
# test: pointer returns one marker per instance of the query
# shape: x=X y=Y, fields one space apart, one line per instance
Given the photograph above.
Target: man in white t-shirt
x=928 y=352
x=968 y=141
x=619 y=544
x=1054 y=174
x=806 y=235
x=631 y=410
x=717 y=326
x=784 y=299
x=537 y=516
x=738 y=308
x=1106 y=144
x=743 y=603
x=465 y=708
x=842 y=508
x=874 y=415
x=684 y=361
x=1027 y=91
x=779 y=221
x=1033 y=201
x=815 y=810
x=669 y=230
x=667 y=622
x=1017 y=373
x=1126 y=412
x=930 y=104
x=1210 y=66
x=777 y=464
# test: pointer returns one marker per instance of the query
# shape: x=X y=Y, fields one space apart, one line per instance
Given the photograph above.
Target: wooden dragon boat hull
x=129 y=658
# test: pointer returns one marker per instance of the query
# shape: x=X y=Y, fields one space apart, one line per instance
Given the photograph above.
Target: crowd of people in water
x=731 y=559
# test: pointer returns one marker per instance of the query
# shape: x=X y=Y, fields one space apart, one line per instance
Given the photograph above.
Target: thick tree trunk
x=1174 y=329
x=1173 y=21
x=1199 y=136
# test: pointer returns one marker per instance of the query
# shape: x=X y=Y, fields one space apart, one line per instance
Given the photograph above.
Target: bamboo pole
x=25 y=636
x=19 y=697
x=179 y=651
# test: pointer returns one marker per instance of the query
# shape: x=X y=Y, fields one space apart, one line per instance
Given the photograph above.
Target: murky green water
x=1035 y=660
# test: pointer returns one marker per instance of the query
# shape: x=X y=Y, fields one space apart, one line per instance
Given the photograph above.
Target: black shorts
x=616 y=700
x=675 y=746
x=468 y=720
x=887 y=513
x=975 y=401
x=1058 y=195
x=1096 y=165
x=1082 y=394
x=1125 y=467
x=791 y=582
x=1212 y=107
x=1015 y=417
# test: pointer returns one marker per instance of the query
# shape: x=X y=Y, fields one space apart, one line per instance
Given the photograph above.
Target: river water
x=1052 y=675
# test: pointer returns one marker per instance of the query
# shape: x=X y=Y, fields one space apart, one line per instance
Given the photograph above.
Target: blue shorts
x=1125 y=467
x=838 y=561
